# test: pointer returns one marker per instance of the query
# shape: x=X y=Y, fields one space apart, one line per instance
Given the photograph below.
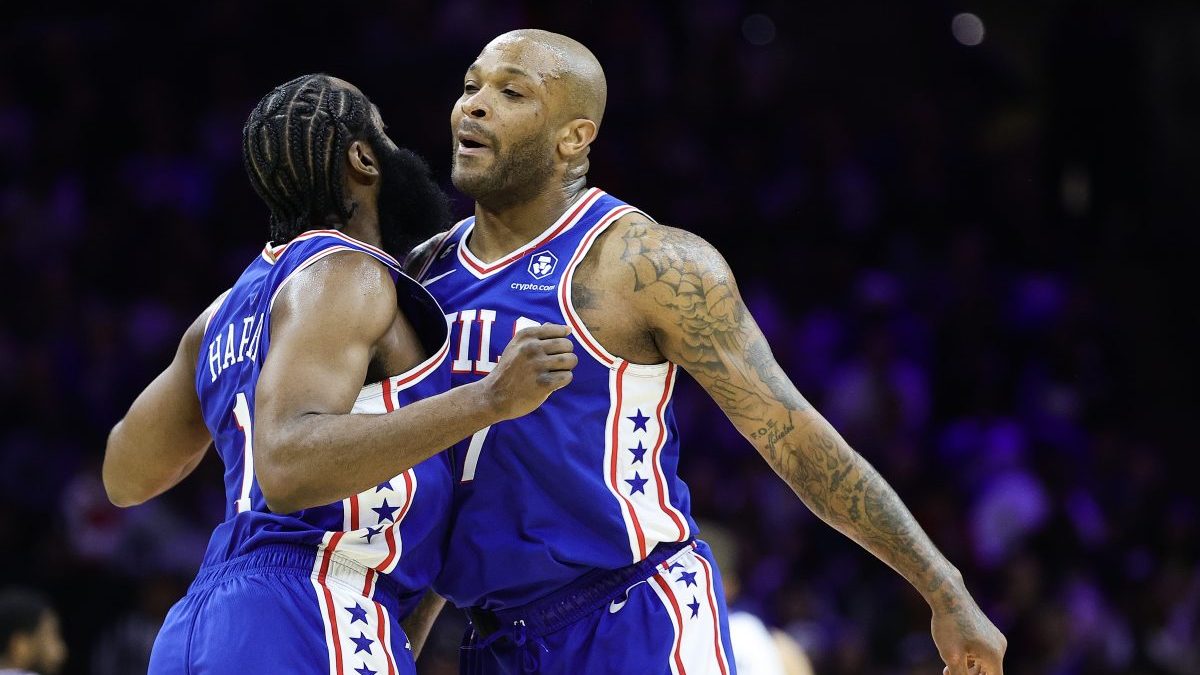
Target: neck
x=363 y=225
x=501 y=229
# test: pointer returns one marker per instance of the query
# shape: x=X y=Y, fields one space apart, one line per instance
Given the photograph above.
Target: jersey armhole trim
x=588 y=341
x=212 y=311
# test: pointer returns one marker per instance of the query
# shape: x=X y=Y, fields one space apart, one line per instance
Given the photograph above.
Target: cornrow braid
x=292 y=146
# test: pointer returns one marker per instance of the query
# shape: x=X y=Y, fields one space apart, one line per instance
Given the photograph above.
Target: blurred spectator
x=30 y=641
x=757 y=649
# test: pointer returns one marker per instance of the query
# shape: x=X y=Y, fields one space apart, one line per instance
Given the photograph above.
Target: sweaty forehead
x=538 y=61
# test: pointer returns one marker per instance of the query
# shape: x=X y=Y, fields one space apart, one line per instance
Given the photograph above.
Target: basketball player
x=334 y=521
x=572 y=544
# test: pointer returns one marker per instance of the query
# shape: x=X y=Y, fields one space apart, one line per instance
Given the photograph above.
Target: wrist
x=484 y=401
x=946 y=590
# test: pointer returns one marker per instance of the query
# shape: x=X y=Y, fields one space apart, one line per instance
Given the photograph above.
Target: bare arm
x=419 y=623
x=687 y=297
x=309 y=450
x=163 y=436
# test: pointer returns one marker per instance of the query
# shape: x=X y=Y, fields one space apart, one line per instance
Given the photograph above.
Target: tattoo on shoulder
x=715 y=336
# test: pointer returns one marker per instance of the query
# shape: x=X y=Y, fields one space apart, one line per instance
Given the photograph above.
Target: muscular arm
x=325 y=326
x=163 y=436
x=685 y=293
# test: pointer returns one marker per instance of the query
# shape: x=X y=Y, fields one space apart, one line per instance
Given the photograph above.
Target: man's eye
x=511 y=93
x=470 y=89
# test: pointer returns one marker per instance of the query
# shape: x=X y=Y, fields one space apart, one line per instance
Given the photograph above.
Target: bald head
x=568 y=69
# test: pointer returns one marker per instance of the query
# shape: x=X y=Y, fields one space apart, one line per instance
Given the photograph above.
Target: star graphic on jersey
x=386 y=512
x=362 y=643
x=364 y=670
x=695 y=607
x=688 y=578
x=639 y=420
x=357 y=613
x=636 y=484
x=372 y=532
x=637 y=452
x=385 y=485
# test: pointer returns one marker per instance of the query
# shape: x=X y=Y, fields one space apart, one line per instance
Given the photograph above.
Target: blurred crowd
x=971 y=258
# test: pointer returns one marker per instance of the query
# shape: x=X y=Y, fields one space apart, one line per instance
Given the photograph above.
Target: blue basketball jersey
x=395 y=529
x=588 y=480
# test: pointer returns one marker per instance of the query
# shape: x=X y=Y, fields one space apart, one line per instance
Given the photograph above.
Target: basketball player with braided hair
x=318 y=379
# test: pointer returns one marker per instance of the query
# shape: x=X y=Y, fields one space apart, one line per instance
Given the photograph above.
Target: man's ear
x=364 y=168
x=577 y=136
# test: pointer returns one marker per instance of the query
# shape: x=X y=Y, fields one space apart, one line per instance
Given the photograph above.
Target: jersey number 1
x=241 y=417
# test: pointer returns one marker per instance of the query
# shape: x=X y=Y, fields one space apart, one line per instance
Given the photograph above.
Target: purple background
x=971 y=259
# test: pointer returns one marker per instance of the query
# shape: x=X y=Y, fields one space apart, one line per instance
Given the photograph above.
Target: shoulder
x=194 y=335
x=346 y=286
x=650 y=252
x=419 y=257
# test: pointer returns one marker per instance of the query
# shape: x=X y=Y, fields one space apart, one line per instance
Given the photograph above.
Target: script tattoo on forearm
x=716 y=340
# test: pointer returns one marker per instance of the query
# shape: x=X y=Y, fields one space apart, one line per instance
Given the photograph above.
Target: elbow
x=119 y=487
x=279 y=501
x=123 y=499
x=280 y=490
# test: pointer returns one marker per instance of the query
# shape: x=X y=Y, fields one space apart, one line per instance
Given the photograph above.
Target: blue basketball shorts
x=664 y=615
x=284 y=609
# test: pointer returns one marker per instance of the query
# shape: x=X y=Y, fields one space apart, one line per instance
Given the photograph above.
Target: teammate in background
x=30 y=640
x=758 y=649
x=572 y=546
x=334 y=521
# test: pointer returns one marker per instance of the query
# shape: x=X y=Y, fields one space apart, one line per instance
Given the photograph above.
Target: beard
x=412 y=206
x=517 y=174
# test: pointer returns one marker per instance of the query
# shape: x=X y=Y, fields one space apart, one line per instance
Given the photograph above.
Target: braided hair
x=293 y=144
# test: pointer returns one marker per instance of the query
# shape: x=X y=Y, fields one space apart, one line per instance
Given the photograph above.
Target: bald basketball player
x=572 y=548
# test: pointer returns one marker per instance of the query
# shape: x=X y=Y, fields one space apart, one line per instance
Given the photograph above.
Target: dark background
x=972 y=259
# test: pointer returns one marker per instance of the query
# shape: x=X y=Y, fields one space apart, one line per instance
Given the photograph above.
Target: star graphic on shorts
x=364 y=670
x=372 y=532
x=386 y=511
x=688 y=578
x=385 y=485
x=639 y=421
x=357 y=613
x=636 y=484
x=695 y=607
x=362 y=643
x=637 y=452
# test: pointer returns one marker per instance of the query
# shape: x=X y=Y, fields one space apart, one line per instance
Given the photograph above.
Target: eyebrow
x=512 y=70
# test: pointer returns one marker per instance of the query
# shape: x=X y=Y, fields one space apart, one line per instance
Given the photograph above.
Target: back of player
x=571 y=524
x=320 y=590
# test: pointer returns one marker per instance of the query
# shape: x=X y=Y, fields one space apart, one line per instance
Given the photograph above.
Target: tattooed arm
x=684 y=293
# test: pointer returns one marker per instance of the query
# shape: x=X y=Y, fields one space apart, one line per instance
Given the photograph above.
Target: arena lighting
x=967 y=29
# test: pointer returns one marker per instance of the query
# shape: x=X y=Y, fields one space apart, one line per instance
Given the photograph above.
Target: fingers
x=555 y=379
x=557 y=346
x=957 y=666
x=561 y=362
x=544 y=331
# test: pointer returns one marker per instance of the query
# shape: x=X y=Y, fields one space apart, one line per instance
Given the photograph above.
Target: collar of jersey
x=482 y=270
x=272 y=254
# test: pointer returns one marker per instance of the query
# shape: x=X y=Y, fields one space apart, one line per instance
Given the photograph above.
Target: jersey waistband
x=297 y=559
x=587 y=594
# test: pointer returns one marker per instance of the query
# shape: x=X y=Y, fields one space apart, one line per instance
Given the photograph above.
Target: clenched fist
x=536 y=363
